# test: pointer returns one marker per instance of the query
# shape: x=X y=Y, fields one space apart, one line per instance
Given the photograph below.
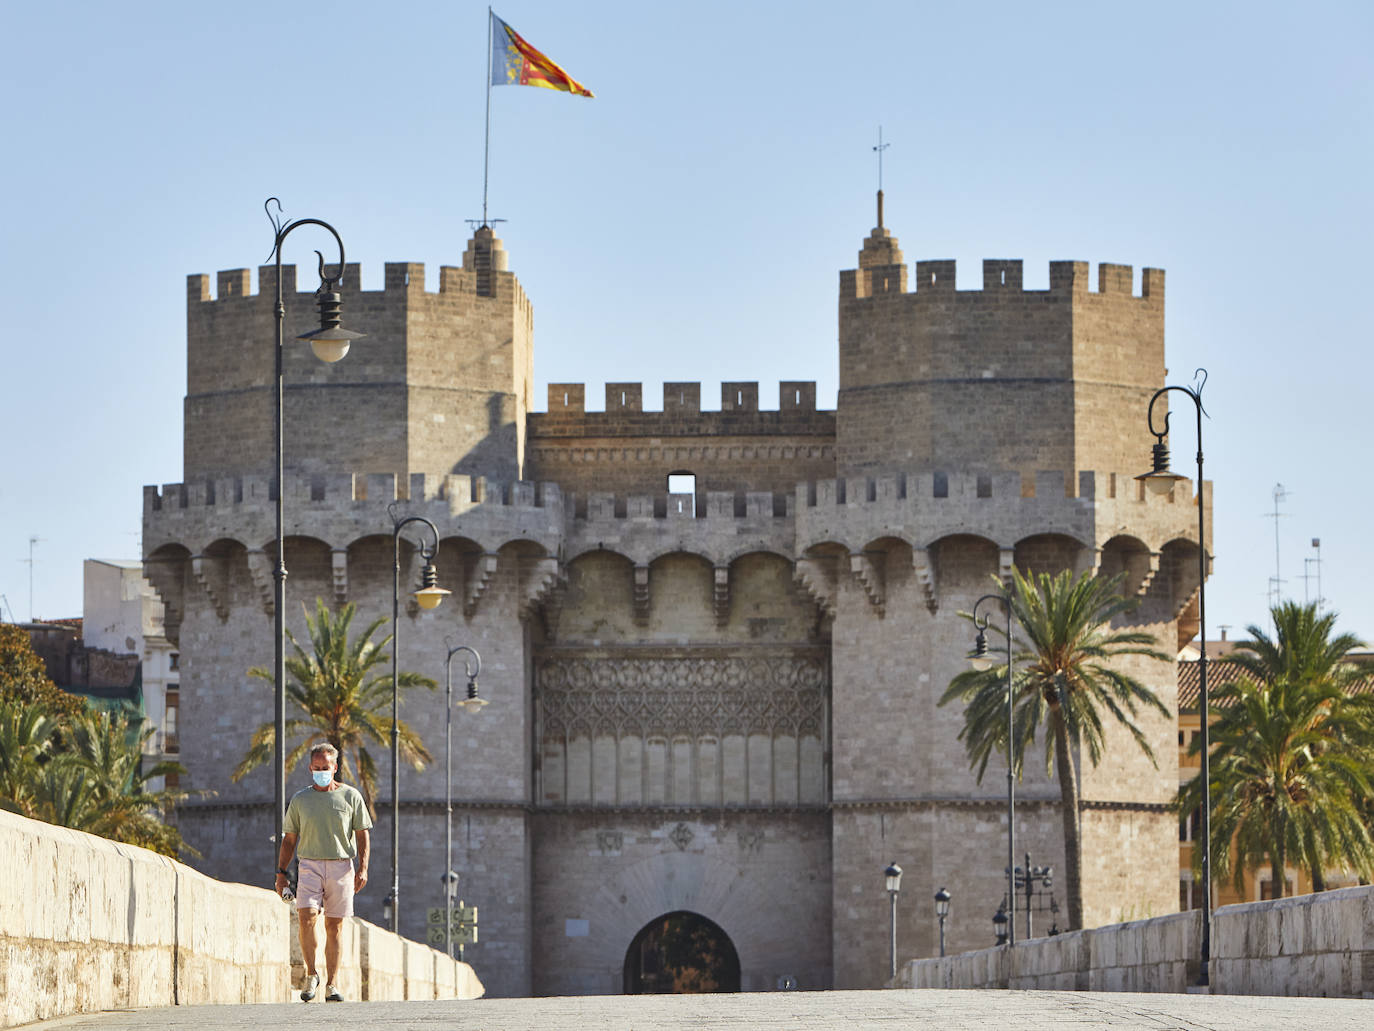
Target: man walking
x=323 y=822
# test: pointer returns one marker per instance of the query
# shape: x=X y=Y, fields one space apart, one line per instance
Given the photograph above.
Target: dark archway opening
x=681 y=953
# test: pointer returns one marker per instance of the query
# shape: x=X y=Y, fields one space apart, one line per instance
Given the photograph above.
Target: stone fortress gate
x=718 y=702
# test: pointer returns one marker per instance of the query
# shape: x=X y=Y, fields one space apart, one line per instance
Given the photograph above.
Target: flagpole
x=486 y=146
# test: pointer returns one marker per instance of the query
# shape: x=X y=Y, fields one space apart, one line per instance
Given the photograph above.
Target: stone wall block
x=418 y=961
x=1159 y=955
x=1292 y=931
x=383 y=963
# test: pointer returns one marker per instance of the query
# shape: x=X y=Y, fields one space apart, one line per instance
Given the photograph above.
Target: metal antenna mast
x=880 y=148
x=1308 y=576
x=32 y=541
x=1280 y=493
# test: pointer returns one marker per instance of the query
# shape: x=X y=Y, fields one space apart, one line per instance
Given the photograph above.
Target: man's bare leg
x=309 y=943
x=332 y=948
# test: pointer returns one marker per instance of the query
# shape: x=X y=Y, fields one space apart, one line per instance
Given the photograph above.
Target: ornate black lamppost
x=429 y=596
x=330 y=343
x=942 y=911
x=1001 y=923
x=1161 y=480
x=472 y=703
x=1035 y=880
x=893 y=874
x=979 y=659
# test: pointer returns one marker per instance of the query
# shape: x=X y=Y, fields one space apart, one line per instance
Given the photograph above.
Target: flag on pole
x=515 y=63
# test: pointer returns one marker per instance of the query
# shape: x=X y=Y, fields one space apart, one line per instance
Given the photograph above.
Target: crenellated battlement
x=444 y=376
x=681 y=398
x=1002 y=278
x=1004 y=507
x=1002 y=487
x=399 y=277
x=340 y=509
x=1002 y=376
x=460 y=492
x=600 y=506
x=567 y=420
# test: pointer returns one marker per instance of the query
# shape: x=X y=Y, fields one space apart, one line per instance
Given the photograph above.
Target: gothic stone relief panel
x=691 y=726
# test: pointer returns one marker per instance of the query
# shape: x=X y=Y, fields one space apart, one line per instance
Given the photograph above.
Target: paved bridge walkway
x=794 y=1011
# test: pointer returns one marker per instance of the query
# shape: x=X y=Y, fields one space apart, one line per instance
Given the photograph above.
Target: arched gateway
x=681 y=953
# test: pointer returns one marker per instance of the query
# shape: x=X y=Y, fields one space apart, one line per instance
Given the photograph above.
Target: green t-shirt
x=325 y=821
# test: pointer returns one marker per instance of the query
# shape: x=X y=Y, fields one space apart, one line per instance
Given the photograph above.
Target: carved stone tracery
x=682 y=692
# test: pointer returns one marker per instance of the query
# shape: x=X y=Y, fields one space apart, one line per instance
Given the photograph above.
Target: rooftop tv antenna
x=32 y=541
x=1308 y=576
x=1280 y=493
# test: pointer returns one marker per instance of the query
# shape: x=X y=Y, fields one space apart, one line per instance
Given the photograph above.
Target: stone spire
x=882 y=269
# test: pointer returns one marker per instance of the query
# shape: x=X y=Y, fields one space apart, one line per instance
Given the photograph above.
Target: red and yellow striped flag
x=515 y=63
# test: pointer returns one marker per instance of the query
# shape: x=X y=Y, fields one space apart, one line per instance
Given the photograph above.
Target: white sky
x=689 y=223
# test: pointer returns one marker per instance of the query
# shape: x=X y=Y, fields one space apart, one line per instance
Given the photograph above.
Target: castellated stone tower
x=720 y=701
x=442 y=384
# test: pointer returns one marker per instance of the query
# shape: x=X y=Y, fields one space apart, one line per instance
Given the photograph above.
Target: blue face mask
x=323 y=778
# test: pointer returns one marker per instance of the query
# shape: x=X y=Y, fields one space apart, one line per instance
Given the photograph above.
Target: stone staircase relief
x=260 y=572
x=212 y=577
x=168 y=577
x=867 y=568
x=478 y=579
x=816 y=577
x=1150 y=574
x=1006 y=562
x=553 y=604
x=538 y=577
x=924 y=571
x=1088 y=561
x=721 y=595
x=338 y=560
x=641 y=595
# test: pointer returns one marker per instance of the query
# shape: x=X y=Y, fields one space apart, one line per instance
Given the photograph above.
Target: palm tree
x=1292 y=754
x=94 y=782
x=26 y=743
x=343 y=699
x=1061 y=677
x=101 y=787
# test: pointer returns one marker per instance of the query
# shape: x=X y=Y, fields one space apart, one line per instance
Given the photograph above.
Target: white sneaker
x=312 y=981
x=332 y=994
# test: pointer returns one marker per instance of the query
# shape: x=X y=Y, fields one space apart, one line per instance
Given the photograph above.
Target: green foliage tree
x=1292 y=754
x=91 y=779
x=345 y=698
x=1063 y=680
x=24 y=679
x=108 y=753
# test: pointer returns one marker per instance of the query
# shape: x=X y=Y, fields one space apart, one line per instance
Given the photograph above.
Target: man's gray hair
x=327 y=750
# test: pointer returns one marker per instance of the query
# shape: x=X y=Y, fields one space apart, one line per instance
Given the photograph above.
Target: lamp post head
x=330 y=342
x=942 y=903
x=894 y=878
x=430 y=593
x=999 y=923
x=1160 y=480
x=979 y=659
x=472 y=703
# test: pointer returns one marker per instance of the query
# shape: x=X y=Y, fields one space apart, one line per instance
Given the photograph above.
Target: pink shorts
x=326 y=884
